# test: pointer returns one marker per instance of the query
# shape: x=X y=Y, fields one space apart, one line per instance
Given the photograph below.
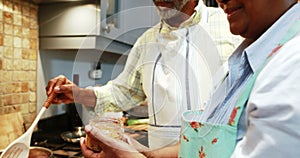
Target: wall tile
x=32 y=65
x=17 y=42
x=32 y=86
x=34 y=33
x=33 y=54
x=8 y=17
x=8 y=29
x=1 y=5
x=8 y=52
x=8 y=40
x=17 y=53
x=17 y=8
x=7 y=6
x=7 y=64
x=6 y=76
x=25 y=22
x=25 y=98
x=18 y=31
x=18 y=57
x=18 y=64
x=1 y=51
x=25 y=10
x=18 y=19
x=26 y=43
x=24 y=108
x=1 y=40
x=25 y=53
x=24 y=87
x=32 y=97
x=26 y=32
x=16 y=87
x=33 y=44
x=1 y=91
x=7 y=99
x=25 y=65
x=32 y=107
x=33 y=24
x=1 y=14
x=1 y=26
x=33 y=12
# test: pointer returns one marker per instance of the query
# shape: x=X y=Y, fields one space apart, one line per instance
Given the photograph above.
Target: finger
x=131 y=141
x=68 y=90
x=85 y=151
x=53 y=83
x=50 y=86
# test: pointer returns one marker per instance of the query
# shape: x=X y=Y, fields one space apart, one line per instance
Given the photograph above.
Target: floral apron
x=205 y=140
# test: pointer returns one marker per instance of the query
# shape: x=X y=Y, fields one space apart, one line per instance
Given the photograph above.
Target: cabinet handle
x=106 y=29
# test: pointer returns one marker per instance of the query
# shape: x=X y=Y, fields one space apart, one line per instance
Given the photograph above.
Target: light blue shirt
x=245 y=60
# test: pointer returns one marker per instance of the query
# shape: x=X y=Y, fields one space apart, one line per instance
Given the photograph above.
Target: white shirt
x=173 y=69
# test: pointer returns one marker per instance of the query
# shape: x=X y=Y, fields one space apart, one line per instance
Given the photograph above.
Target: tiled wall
x=18 y=57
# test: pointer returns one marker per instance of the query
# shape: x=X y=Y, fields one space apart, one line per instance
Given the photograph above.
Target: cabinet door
x=69 y=18
x=126 y=20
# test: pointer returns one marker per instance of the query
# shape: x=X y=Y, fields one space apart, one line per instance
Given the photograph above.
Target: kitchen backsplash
x=18 y=58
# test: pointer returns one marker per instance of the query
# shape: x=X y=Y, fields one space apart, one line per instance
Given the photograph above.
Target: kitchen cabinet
x=125 y=21
x=67 y=25
x=109 y=25
x=69 y=18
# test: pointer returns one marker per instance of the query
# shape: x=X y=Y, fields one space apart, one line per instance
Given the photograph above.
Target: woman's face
x=251 y=18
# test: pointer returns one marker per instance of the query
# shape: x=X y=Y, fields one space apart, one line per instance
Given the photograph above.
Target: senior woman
x=254 y=111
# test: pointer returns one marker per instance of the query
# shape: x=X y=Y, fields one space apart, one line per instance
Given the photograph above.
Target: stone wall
x=18 y=58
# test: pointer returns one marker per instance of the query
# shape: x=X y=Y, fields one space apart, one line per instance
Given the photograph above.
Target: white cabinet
x=126 y=20
x=102 y=24
x=69 y=19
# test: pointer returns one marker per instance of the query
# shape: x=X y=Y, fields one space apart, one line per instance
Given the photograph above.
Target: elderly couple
x=251 y=110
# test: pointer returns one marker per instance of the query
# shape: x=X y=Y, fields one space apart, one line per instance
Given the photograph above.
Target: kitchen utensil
x=40 y=152
x=19 y=148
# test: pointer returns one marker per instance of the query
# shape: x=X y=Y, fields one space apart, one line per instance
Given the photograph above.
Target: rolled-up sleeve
x=126 y=91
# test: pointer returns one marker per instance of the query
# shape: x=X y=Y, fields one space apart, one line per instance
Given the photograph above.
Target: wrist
x=84 y=96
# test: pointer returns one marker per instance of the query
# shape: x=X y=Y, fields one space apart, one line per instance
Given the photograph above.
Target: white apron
x=181 y=66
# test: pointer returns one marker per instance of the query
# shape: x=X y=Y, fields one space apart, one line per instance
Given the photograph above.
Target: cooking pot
x=39 y=152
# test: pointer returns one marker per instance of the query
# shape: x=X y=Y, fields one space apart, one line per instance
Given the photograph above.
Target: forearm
x=169 y=152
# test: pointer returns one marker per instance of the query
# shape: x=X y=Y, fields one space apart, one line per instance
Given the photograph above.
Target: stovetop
x=48 y=136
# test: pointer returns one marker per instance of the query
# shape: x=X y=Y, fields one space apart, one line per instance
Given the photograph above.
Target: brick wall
x=18 y=58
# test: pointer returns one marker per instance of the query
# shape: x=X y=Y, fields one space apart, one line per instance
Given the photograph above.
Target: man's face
x=170 y=8
x=251 y=18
